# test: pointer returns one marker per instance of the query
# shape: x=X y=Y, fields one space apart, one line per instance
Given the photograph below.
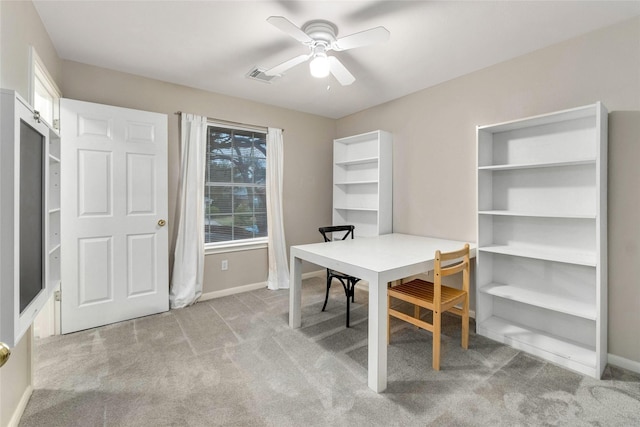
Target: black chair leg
x=326 y=297
x=348 y=311
x=347 y=291
x=353 y=292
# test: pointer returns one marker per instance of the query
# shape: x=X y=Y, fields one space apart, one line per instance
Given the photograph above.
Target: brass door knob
x=162 y=223
x=5 y=352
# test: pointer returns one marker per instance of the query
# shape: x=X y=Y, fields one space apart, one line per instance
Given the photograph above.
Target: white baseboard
x=317 y=273
x=232 y=291
x=17 y=414
x=621 y=362
x=248 y=288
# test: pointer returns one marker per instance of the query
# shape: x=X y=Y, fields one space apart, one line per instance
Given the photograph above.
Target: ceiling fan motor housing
x=322 y=32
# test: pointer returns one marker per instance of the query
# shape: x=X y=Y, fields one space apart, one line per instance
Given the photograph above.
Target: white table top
x=382 y=253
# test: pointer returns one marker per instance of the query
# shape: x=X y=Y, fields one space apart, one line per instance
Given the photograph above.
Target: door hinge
x=57 y=295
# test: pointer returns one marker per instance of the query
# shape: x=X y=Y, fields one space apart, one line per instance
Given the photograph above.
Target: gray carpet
x=234 y=361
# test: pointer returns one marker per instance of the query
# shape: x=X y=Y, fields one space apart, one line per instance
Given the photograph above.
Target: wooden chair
x=348 y=282
x=435 y=297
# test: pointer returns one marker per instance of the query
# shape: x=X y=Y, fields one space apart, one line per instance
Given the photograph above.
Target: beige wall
x=624 y=233
x=15 y=381
x=308 y=154
x=434 y=147
x=20 y=28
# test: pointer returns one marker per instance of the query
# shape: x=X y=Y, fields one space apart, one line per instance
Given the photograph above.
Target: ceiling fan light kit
x=319 y=65
x=320 y=37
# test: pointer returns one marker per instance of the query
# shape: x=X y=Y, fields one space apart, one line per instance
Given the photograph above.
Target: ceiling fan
x=320 y=37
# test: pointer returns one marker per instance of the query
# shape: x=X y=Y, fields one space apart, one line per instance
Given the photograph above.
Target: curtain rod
x=229 y=122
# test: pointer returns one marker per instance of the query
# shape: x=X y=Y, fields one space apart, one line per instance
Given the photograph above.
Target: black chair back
x=328 y=232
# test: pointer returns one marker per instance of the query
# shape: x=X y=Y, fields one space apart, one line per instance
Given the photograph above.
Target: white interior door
x=114 y=211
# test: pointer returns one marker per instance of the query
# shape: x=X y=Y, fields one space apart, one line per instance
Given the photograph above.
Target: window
x=45 y=95
x=235 y=186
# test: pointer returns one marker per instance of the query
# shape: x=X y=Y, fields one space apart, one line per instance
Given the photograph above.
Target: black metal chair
x=348 y=282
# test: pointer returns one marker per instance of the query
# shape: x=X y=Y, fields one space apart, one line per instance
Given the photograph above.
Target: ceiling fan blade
x=340 y=72
x=363 y=38
x=283 y=24
x=287 y=65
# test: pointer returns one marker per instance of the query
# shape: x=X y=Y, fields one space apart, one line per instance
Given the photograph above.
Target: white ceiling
x=212 y=45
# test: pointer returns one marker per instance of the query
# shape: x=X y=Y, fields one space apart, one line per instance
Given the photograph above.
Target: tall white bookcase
x=362 y=183
x=541 y=276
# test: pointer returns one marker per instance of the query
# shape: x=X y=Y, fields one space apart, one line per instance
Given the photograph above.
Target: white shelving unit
x=54 y=206
x=541 y=274
x=362 y=183
x=29 y=215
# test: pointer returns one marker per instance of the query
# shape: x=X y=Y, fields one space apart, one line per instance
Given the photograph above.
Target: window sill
x=243 y=245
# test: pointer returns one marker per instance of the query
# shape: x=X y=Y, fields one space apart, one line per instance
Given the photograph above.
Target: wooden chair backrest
x=439 y=271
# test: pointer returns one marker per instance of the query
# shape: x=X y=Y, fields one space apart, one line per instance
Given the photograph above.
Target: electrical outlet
x=225 y=265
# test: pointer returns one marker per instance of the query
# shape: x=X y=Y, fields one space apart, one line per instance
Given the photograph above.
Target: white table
x=378 y=260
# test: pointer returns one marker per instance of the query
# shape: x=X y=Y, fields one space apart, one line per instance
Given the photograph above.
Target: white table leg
x=295 y=292
x=377 y=367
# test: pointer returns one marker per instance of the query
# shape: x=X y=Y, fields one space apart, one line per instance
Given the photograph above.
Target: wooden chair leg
x=437 y=323
x=388 y=320
x=465 y=323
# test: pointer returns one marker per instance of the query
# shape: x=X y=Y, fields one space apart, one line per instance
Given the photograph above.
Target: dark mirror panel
x=31 y=214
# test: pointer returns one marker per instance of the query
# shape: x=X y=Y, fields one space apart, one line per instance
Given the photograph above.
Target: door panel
x=140 y=184
x=94 y=182
x=95 y=267
x=114 y=192
x=90 y=126
x=140 y=132
x=141 y=264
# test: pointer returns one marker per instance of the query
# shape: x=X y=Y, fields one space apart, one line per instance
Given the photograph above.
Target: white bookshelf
x=362 y=182
x=54 y=206
x=541 y=276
